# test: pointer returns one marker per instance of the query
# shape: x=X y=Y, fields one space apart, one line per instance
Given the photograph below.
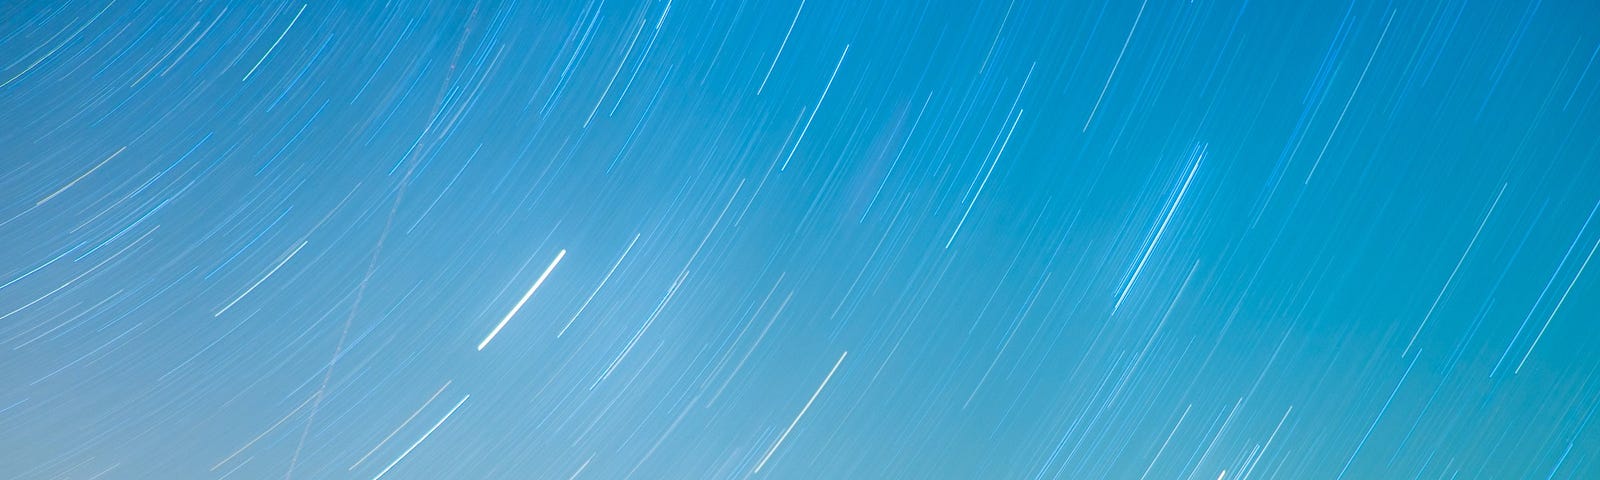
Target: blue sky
x=809 y=240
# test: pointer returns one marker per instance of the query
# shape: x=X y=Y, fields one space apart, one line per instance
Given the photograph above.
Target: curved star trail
x=799 y=239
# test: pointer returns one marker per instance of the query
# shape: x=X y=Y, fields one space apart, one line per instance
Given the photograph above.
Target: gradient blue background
x=1058 y=239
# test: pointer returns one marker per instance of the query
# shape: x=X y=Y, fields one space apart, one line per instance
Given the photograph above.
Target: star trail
x=799 y=239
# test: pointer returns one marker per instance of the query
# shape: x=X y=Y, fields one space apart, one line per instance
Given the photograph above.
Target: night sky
x=883 y=239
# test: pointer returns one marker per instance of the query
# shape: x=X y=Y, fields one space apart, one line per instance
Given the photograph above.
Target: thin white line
x=1453 y=271
x=625 y=54
x=424 y=437
x=53 y=51
x=81 y=177
x=985 y=181
x=274 y=44
x=1159 y=231
x=597 y=288
x=1557 y=309
x=525 y=296
x=796 y=421
x=813 y=116
x=1163 y=448
x=413 y=416
x=263 y=434
x=581 y=468
x=780 y=47
x=258 y=282
x=1347 y=101
x=1114 y=66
